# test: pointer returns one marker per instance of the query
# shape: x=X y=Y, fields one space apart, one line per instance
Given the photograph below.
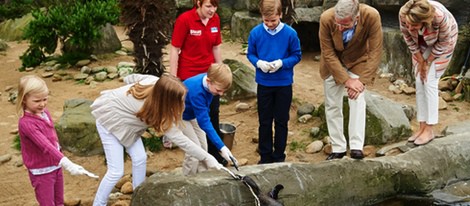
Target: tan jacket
x=363 y=53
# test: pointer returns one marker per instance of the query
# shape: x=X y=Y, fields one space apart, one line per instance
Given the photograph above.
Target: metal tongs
x=235 y=164
x=235 y=176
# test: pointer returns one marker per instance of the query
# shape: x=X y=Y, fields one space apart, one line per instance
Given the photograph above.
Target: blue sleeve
x=201 y=110
x=295 y=53
x=252 y=55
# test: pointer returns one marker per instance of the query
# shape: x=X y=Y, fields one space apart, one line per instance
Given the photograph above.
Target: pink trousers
x=49 y=188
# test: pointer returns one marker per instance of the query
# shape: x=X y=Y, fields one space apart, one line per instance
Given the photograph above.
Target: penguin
x=269 y=199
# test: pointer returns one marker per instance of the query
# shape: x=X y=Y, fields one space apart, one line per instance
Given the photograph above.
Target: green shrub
x=16 y=143
x=76 y=23
x=15 y=9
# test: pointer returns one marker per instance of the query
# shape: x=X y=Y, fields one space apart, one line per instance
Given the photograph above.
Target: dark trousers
x=273 y=105
x=214 y=115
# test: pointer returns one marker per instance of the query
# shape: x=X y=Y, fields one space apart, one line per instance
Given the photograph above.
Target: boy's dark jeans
x=273 y=105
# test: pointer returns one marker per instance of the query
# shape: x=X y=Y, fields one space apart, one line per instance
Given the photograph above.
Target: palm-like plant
x=148 y=24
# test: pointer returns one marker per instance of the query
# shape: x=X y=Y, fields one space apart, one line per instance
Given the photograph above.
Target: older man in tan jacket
x=351 y=45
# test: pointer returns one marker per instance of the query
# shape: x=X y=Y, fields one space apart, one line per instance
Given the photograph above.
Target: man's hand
x=354 y=84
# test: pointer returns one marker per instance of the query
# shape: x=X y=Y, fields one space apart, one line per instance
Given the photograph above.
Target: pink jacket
x=39 y=142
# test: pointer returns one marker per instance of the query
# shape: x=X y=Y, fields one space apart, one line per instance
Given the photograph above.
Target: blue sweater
x=284 y=45
x=197 y=103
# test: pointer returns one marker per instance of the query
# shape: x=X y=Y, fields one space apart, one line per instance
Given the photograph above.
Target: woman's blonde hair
x=418 y=11
x=29 y=84
x=163 y=104
x=269 y=8
x=221 y=75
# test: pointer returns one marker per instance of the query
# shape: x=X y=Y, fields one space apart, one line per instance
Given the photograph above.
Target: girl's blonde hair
x=269 y=8
x=418 y=11
x=221 y=75
x=163 y=104
x=29 y=84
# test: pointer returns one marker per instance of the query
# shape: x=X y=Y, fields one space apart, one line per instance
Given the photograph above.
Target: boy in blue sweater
x=274 y=49
x=196 y=121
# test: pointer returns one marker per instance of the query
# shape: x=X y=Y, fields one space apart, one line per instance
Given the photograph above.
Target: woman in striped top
x=430 y=31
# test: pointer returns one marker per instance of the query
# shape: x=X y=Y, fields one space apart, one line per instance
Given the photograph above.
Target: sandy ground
x=15 y=186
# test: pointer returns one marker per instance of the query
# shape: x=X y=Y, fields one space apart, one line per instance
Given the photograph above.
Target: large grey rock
x=76 y=129
x=109 y=41
x=418 y=171
x=308 y=14
x=396 y=57
x=385 y=120
x=244 y=85
x=242 y=23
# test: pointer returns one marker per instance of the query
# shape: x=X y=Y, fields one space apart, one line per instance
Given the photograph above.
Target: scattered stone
x=112 y=75
x=121 y=203
x=445 y=85
x=126 y=64
x=446 y=96
x=317 y=58
x=314 y=131
x=98 y=69
x=457 y=96
x=327 y=149
x=85 y=70
x=326 y=140
x=384 y=150
x=409 y=90
x=442 y=104
x=241 y=107
x=101 y=76
x=111 y=69
x=127 y=188
x=28 y=69
x=47 y=74
x=80 y=76
x=306 y=108
x=83 y=62
x=314 y=147
x=122 y=53
x=18 y=163
x=369 y=150
x=14 y=131
x=123 y=180
x=409 y=111
x=73 y=202
x=242 y=161
x=8 y=88
x=5 y=158
x=255 y=140
x=386 y=75
x=305 y=118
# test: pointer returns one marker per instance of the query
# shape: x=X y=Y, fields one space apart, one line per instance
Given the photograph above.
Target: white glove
x=211 y=162
x=276 y=65
x=75 y=169
x=264 y=66
x=227 y=155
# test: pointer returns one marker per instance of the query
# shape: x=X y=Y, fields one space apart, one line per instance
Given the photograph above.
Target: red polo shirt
x=196 y=42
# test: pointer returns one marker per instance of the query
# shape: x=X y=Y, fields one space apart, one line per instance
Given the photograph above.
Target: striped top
x=441 y=36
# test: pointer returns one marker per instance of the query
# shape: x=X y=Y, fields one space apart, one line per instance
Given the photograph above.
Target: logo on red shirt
x=195 y=32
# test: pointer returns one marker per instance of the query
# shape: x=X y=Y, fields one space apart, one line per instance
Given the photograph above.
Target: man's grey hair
x=347 y=8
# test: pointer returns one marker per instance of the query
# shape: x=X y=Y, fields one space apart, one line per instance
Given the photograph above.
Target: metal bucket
x=228 y=132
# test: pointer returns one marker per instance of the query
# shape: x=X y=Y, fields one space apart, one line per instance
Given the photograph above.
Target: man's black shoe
x=336 y=155
x=356 y=154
